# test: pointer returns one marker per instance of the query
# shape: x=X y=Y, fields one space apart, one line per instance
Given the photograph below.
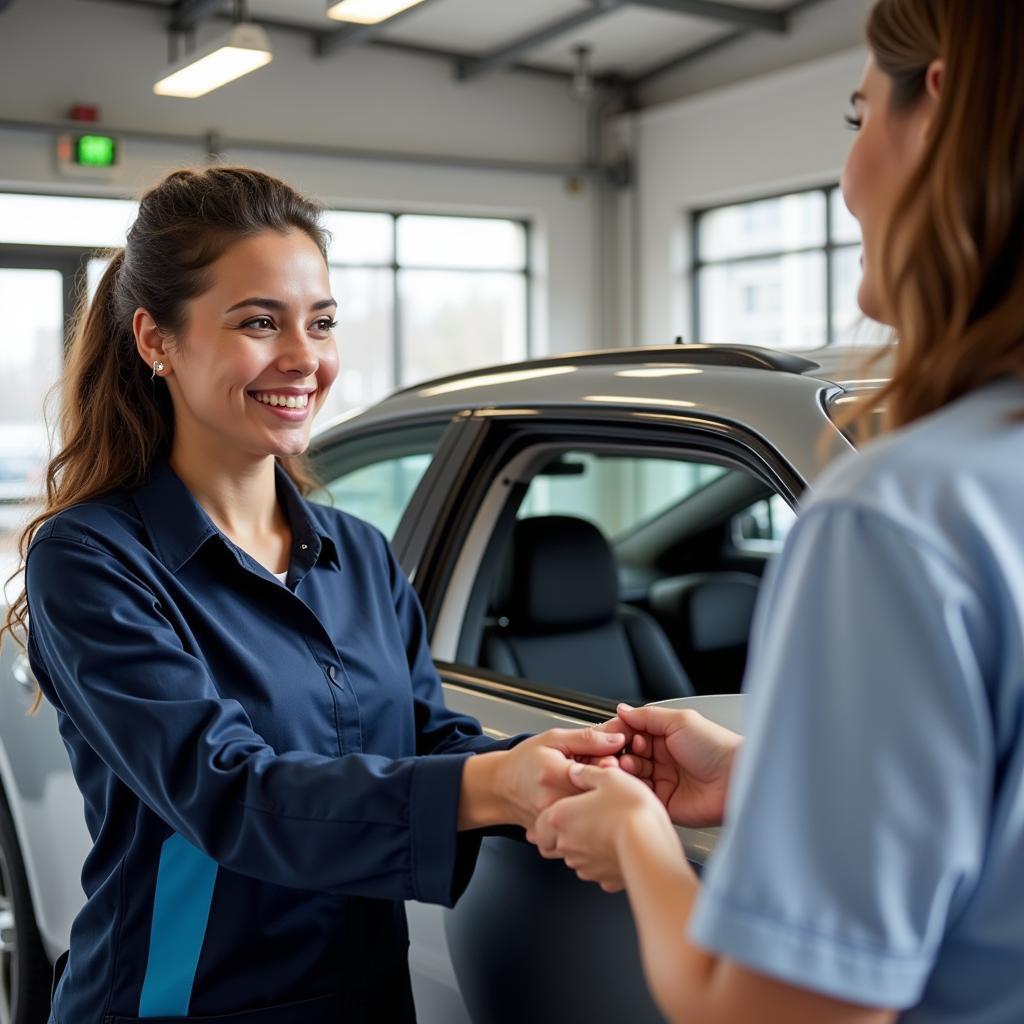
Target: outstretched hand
x=584 y=830
x=685 y=758
x=536 y=772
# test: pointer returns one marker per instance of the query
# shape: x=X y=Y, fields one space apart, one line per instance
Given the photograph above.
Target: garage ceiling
x=625 y=41
x=630 y=41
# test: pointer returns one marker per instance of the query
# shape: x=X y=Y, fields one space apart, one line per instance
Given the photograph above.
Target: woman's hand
x=586 y=830
x=684 y=757
x=514 y=786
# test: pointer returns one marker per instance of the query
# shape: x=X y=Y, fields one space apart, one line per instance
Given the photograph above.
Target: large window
x=418 y=296
x=781 y=272
x=422 y=296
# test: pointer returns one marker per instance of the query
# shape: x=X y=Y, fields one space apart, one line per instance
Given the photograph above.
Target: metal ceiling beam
x=506 y=55
x=327 y=44
x=722 y=41
x=690 y=56
x=189 y=13
x=431 y=52
x=729 y=14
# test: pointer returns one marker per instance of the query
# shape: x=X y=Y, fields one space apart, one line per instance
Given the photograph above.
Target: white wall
x=54 y=53
x=780 y=131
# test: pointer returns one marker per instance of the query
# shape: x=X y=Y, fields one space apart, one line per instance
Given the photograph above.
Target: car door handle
x=23 y=673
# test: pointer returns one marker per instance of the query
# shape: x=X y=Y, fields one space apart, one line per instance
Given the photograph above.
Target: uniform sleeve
x=358 y=824
x=856 y=823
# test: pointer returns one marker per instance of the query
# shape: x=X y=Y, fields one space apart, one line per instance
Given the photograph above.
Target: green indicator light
x=95 y=151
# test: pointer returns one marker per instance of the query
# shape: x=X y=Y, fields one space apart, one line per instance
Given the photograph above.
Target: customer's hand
x=511 y=787
x=684 y=757
x=535 y=773
x=585 y=830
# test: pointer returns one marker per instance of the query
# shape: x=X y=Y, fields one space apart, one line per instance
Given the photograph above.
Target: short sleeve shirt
x=874 y=846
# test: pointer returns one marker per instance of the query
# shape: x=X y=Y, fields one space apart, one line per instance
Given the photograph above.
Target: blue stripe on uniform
x=181 y=907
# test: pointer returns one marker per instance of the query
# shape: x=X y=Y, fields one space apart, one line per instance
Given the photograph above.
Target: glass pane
x=768 y=225
x=615 y=493
x=851 y=326
x=359 y=237
x=778 y=303
x=374 y=478
x=845 y=227
x=30 y=362
x=455 y=321
x=94 y=269
x=763 y=526
x=65 y=220
x=364 y=337
x=461 y=242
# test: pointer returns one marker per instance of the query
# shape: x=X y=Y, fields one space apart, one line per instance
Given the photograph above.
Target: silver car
x=580 y=529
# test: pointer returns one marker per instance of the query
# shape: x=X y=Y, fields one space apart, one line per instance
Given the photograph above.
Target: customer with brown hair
x=874 y=842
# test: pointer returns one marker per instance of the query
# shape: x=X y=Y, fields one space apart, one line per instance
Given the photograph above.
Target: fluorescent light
x=245 y=48
x=368 y=12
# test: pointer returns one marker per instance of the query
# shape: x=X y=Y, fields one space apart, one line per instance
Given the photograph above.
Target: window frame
x=336 y=455
x=69 y=261
x=829 y=249
x=506 y=439
x=74 y=259
x=396 y=267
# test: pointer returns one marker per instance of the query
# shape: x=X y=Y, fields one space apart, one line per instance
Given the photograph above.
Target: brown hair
x=183 y=225
x=955 y=290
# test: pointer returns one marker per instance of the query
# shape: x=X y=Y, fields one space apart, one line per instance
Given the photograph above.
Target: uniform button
x=303 y=546
x=333 y=673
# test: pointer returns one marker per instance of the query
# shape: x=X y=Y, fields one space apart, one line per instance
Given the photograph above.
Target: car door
x=527 y=940
x=395 y=475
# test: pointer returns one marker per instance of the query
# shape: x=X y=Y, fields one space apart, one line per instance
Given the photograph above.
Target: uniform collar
x=179 y=526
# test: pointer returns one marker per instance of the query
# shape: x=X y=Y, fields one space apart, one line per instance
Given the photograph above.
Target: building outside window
x=781 y=272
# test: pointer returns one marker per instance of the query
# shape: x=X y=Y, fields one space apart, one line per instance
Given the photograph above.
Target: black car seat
x=708 y=616
x=557 y=618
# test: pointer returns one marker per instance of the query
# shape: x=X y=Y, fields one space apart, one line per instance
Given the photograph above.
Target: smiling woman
x=268 y=767
x=269 y=316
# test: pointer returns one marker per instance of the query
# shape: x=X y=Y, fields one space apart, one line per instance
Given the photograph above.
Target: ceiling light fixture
x=368 y=12
x=582 y=72
x=243 y=49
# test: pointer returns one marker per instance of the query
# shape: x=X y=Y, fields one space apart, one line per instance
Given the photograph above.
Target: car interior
x=657 y=609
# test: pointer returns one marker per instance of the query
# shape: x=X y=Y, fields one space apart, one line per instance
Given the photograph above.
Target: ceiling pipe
x=224 y=143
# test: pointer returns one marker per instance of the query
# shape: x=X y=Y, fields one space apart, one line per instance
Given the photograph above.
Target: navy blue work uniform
x=268 y=770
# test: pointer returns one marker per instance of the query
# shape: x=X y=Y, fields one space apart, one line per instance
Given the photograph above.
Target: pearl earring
x=157 y=368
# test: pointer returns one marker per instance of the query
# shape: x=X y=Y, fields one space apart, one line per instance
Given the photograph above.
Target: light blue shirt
x=875 y=842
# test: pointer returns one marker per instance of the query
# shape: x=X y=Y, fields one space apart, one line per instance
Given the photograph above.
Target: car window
x=616 y=493
x=615 y=576
x=374 y=476
x=762 y=527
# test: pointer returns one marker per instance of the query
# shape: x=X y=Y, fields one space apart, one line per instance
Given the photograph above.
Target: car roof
x=644 y=375
x=778 y=395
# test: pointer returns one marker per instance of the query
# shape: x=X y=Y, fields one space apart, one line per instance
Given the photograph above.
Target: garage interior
x=505 y=183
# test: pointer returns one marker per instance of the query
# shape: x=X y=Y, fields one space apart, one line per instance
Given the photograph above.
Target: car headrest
x=716 y=607
x=560 y=573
